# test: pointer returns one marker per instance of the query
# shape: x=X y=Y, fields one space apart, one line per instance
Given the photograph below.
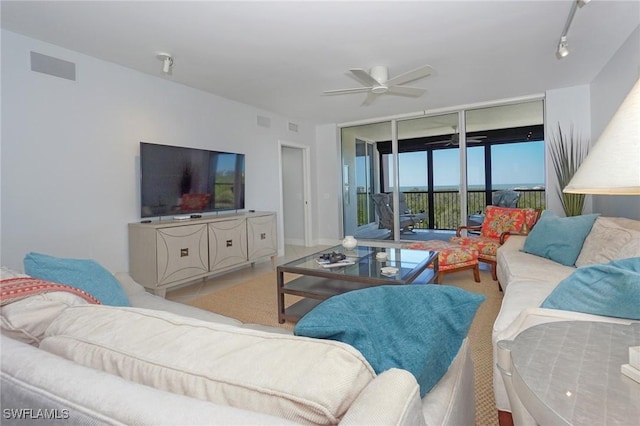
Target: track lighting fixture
x=167 y=62
x=563 y=48
x=563 y=45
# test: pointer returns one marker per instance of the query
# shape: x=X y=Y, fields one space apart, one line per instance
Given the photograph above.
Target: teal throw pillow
x=609 y=289
x=84 y=274
x=418 y=328
x=559 y=238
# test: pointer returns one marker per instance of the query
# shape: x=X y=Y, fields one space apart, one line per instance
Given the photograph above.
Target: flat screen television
x=178 y=181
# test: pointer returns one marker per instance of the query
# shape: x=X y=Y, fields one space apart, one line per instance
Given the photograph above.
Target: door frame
x=306 y=188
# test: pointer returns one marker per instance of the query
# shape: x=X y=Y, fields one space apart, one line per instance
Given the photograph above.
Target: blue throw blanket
x=610 y=289
x=418 y=328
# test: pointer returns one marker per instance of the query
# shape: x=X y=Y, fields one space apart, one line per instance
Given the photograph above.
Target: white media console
x=164 y=254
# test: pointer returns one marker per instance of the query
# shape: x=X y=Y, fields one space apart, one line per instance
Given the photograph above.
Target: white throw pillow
x=631 y=248
x=301 y=379
x=26 y=320
x=607 y=241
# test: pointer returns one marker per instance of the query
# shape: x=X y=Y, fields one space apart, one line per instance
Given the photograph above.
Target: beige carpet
x=255 y=301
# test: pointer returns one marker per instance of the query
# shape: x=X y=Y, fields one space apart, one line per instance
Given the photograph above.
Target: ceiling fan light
x=379 y=89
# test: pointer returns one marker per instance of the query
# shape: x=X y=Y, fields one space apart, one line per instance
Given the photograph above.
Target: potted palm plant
x=567 y=153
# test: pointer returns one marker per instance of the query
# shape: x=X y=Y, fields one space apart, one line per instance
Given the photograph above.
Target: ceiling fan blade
x=342 y=91
x=415 y=74
x=445 y=141
x=364 y=77
x=370 y=98
x=406 y=91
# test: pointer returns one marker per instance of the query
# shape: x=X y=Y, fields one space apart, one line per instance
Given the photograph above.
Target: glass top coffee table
x=315 y=283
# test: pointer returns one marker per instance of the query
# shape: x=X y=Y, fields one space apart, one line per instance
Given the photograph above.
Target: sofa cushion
x=418 y=328
x=84 y=274
x=611 y=289
x=608 y=241
x=301 y=379
x=559 y=239
x=77 y=395
x=516 y=265
x=26 y=320
x=29 y=305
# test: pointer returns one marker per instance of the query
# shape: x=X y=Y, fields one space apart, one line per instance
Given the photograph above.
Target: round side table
x=569 y=373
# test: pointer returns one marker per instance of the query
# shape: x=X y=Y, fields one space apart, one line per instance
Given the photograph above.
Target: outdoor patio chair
x=417 y=217
x=506 y=198
x=498 y=224
x=384 y=210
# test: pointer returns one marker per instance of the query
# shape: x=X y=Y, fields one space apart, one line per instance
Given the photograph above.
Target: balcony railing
x=446 y=208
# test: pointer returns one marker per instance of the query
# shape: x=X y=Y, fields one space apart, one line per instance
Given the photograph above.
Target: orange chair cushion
x=487 y=247
x=450 y=256
x=531 y=216
x=501 y=219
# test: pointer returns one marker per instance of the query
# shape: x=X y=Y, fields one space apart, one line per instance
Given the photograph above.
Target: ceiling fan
x=454 y=140
x=377 y=82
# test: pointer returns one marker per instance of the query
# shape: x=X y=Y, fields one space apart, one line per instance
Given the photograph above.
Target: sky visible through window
x=515 y=165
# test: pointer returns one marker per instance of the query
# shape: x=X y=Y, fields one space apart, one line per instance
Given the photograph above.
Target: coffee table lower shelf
x=296 y=311
x=316 y=289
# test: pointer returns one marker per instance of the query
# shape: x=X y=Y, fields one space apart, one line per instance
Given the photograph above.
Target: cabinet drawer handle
x=184 y=252
x=229 y=243
x=263 y=236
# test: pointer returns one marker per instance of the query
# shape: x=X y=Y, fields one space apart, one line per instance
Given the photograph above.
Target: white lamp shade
x=613 y=164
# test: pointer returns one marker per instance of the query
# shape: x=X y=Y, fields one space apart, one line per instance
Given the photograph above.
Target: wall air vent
x=293 y=127
x=53 y=66
x=264 y=121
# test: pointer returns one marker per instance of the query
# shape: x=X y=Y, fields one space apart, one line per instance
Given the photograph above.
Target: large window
x=443 y=174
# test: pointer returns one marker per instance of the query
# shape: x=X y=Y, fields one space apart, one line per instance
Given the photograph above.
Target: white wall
x=568 y=108
x=70 y=150
x=608 y=90
x=328 y=203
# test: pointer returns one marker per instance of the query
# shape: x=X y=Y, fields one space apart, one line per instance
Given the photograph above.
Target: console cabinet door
x=262 y=236
x=227 y=243
x=182 y=252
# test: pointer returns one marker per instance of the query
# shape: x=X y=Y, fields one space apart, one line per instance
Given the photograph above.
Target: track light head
x=563 y=48
x=167 y=62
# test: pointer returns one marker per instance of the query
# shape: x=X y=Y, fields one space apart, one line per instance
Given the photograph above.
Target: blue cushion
x=559 y=238
x=610 y=289
x=84 y=274
x=418 y=328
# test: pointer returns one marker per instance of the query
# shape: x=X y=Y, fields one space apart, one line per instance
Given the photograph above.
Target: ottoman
x=451 y=257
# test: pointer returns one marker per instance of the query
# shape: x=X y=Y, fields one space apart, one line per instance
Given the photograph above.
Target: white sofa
x=64 y=376
x=527 y=280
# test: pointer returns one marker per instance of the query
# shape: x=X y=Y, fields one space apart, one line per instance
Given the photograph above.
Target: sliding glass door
x=361 y=180
x=449 y=167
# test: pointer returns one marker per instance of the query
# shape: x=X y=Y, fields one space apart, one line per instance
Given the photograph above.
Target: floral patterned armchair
x=498 y=224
